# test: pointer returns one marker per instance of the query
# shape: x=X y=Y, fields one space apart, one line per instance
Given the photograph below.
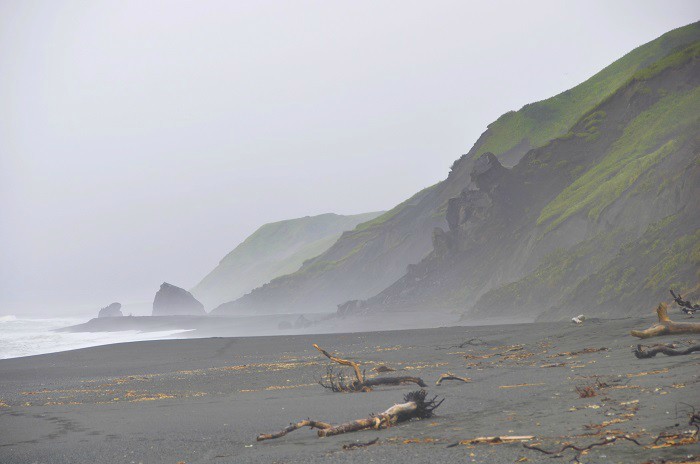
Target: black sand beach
x=205 y=400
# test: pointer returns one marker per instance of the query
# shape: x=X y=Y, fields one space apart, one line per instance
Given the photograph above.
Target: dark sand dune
x=205 y=400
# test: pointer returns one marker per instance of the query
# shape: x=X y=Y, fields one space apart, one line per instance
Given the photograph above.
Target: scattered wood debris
x=666 y=326
x=415 y=406
x=451 y=376
x=645 y=352
x=337 y=382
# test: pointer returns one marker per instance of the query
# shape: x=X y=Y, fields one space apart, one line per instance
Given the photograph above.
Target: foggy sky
x=142 y=141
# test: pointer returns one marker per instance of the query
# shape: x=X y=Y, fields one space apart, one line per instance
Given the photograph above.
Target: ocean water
x=27 y=337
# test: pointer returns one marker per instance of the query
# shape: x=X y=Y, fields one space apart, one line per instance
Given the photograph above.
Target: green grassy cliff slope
x=514 y=133
x=601 y=220
x=372 y=257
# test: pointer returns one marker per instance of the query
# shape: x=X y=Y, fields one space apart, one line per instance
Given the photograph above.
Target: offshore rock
x=175 y=301
x=113 y=310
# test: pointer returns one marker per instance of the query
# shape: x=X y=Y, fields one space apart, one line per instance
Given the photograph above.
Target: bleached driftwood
x=451 y=376
x=415 y=405
x=666 y=326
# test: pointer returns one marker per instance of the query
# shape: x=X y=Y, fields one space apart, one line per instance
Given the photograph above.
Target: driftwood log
x=666 y=326
x=414 y=406
x=645 y=352
x=685 y=305
x=338 y=383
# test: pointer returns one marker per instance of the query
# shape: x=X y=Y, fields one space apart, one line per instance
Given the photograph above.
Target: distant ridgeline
x=271 y=251
x=586 y=202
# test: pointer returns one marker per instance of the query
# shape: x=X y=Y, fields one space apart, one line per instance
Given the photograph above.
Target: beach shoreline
x=206 y=399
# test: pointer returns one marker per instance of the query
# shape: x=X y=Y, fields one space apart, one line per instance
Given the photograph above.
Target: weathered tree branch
x=337 y=382
x=356 y=367
x=645 y=352
x=393 y=381
x=293 y=427
x=666 y=326
x=415 y=406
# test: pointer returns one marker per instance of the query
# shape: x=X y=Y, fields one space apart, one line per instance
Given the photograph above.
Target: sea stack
x=113 y=310
x=175 y=301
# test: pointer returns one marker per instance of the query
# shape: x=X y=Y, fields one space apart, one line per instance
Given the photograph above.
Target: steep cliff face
x=601 y=220
x=492 y=211
x=273 y=250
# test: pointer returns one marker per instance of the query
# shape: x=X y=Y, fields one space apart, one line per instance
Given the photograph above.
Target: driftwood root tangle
x=337 y=382
x=645 y=352
x=415 y=406
x=685 y=305
x=666 y=326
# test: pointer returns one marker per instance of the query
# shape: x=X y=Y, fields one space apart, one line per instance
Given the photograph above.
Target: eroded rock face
x=113 y=310
x=487 y=172
x=470 y=204
x=442 y=245
x=175 y=301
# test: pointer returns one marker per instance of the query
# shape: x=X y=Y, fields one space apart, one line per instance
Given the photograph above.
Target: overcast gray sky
x=140 y=141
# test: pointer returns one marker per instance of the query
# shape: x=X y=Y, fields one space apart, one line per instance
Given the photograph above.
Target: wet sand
x=205 y=400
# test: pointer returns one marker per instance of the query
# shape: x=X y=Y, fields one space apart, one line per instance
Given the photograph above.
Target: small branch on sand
x=645 y=352
x=666 y=326
x=606 y=441
x=415 y=406
x=685 y=305
x=360 y=445
x=451 y=376
x=337 y=382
